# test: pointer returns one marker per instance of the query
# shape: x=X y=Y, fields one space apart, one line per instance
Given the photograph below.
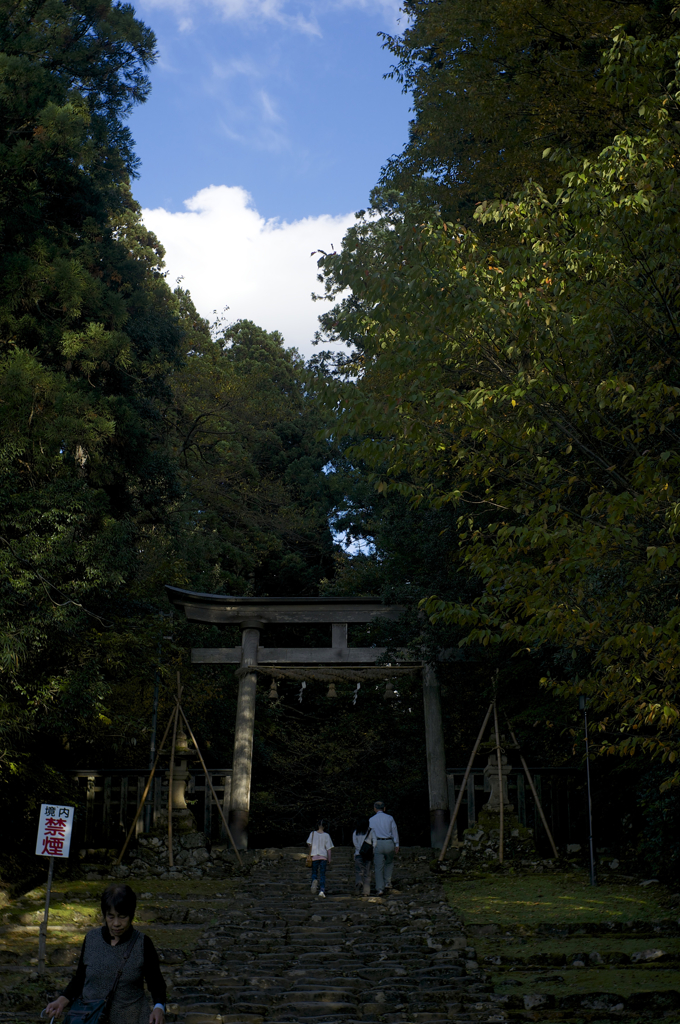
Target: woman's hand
x=56 y=1007
x=157 y=1016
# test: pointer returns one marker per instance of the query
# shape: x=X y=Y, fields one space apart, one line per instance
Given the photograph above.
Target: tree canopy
x=494 y=82
x=137 y=446
x=532 y=385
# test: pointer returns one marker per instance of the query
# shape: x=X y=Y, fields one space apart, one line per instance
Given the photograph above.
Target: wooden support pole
x=146 y=790
x=464 y=783
x=208 y=779
x=42 y=942
x=436 y=757
x=243 y=740
x=172 y=772
x=534 y=794
x=501 y=794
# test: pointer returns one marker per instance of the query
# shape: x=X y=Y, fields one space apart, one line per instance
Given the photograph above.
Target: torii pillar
x=244 y=731
x=437 y=782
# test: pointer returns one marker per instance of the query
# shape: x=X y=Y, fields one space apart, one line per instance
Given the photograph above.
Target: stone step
x=327 y=995
x=277 y=954
x=316 y=1008
x=227 y=1018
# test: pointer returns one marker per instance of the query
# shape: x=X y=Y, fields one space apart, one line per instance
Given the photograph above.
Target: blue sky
x=266 y=129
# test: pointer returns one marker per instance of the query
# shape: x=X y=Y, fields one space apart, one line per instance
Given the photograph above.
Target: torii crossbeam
x=252 y=614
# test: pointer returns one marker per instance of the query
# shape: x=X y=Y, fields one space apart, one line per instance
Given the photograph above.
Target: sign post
x=54 y=840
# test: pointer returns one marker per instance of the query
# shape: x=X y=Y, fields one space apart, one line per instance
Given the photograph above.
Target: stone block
x=193 y=841
x=663 y=1000
x=171 y=956
x=537 y=1001
x=646 y=955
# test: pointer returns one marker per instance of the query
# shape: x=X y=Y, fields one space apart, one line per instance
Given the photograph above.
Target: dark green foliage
x=494 y=82
x=88 y=333
x=658 y=826
x=257 y=502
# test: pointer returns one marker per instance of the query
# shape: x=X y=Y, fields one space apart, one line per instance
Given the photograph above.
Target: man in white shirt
x=387 y=844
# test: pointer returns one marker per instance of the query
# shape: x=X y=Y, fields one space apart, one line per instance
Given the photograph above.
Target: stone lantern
x=491 y=775
x=182 y=818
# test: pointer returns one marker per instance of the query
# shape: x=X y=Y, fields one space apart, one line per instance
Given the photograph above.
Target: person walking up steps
x=363 y=833
x=387 y=836
x=320 y=845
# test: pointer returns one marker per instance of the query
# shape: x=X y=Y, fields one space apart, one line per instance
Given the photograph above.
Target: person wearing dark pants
x=387 y=844
x=319 y=844
x=363 y=833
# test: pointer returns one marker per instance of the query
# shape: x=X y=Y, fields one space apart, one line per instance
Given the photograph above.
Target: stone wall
x=482 y=840
x=193 y=857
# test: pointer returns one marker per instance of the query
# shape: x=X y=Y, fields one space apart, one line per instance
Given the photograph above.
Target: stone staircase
x=261 y=948
x=277 y=953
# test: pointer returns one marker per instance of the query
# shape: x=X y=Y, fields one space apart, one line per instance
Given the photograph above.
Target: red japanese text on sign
x=54 y=831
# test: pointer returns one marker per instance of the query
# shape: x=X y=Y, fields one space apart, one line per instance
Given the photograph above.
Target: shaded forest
x=492 y=445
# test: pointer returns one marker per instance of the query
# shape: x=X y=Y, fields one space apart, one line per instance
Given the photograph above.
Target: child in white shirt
x=320 y=845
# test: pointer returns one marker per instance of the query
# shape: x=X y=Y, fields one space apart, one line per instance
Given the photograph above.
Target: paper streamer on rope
x=303 y=686
x=356 y=693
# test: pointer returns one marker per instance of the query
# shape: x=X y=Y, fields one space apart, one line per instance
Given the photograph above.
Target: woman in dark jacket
x=104 y=951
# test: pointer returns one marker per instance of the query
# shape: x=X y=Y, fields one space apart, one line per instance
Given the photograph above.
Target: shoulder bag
x=97 y=1011
x=366 y=850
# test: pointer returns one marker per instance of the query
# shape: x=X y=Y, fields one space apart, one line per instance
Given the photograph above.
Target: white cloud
x=242 y=10
x=228 y=254
x=300 y=17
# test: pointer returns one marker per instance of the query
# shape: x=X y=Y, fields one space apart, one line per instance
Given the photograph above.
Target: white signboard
x=54 y=830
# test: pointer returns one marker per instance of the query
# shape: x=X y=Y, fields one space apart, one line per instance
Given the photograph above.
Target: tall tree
x=532 y=385
x=88 y=331
x=495 y=82
x=257 y=501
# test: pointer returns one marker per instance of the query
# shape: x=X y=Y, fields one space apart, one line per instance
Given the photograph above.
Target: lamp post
x=583 y=706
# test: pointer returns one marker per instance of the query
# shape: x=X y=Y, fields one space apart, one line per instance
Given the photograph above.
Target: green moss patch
x=180 y=888
x=582 y=981
x=523 y=950
x=173 y=913
x=530 y=900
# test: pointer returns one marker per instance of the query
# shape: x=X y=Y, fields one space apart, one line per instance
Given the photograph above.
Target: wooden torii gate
x=253 y=614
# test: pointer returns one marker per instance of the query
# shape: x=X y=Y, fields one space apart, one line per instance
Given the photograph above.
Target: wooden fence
x=560 y=790
x=110 y=797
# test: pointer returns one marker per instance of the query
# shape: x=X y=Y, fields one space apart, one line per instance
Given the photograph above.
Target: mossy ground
x=524 y=909
x=75 y=909
x=622 y=981
x=514 y=900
